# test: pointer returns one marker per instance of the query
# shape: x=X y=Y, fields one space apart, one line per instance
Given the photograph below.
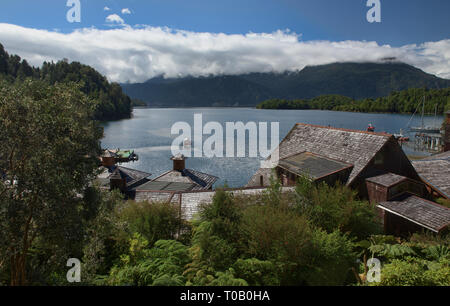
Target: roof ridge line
x=346 y=130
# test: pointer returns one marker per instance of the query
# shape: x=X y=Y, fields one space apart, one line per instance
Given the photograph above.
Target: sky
x=134 y=40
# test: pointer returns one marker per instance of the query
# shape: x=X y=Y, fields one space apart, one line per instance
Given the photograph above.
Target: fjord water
x=148 y=132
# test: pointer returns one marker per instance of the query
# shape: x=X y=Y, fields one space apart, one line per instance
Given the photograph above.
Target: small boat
x=370 y=128
x=423 y=128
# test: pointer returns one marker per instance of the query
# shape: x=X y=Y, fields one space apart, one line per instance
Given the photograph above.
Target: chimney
x=117 y=181
x=447 y=132
x=179 y=162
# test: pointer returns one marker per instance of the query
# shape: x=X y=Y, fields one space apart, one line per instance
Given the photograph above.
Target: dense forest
x=406 y=101
x=354 y=80
x=111 y=102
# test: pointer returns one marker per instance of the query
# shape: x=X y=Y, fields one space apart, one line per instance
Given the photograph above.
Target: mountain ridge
x=355 y=80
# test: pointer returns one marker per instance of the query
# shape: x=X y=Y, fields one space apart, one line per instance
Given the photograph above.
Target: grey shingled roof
x=313 y=165
x=202 y=181
x=387 y=179
x=350 y=146
x=435 y=171
x=165 y=186
x=132 y=176
x=420 y=211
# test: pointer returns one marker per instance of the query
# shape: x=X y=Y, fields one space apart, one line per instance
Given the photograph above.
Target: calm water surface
x=148 y=133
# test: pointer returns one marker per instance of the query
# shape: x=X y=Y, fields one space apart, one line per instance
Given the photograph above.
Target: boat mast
x=423 y=109
x=435 y=113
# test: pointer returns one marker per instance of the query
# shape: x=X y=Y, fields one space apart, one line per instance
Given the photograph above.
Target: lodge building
x=375 y=166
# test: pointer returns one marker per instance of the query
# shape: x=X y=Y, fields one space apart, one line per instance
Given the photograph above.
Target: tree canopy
x=49 y=153
x=110 y=102
x=406 y=101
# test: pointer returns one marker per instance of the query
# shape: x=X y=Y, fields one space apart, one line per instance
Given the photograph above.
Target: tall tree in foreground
x=49 y=152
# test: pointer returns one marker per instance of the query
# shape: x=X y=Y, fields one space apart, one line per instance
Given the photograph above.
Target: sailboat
x=423 y=128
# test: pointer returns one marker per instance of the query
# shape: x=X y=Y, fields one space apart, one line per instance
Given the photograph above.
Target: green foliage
x=138 y=102
x=210 y=249
x=106 y=239
x=332 y=208
x=49 y=153
x=161 y=265
x=272 y=195
x=329 y=259
x=422 y=260
x=257 y=272
x=227 y=278
x=390 y=251
x=406 y=101
x=108 y=99
x=275 y=233
x=415 y=272
x=444 y=202
x=155 y=221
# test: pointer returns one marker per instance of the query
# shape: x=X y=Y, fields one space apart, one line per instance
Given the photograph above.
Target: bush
x=331 y=258
x=155 y=221
x=257 y=272
x=336 y=208
x=404 y=273
x=161 y=265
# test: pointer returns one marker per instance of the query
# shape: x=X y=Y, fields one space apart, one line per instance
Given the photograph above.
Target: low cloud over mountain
x=135 y=54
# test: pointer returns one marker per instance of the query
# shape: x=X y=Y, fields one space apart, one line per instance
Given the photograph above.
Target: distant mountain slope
x=355 y=80
x=202 y=91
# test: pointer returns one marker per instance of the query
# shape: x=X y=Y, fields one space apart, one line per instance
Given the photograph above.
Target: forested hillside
x=112 y=103
x=354 y=80
x=406 y=101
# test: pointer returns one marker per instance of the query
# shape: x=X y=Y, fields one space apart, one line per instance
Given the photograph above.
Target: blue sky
x=403 y=21
x=200 y=37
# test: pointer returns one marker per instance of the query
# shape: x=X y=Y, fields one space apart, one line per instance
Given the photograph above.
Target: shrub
x=155 y=221
x=257 y=272
x=161 y=265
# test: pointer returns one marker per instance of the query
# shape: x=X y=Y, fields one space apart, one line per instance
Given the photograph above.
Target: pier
x=432 y=142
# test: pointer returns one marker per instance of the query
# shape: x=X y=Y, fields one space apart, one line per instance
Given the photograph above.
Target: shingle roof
x=420 y=211
x=435 y=171
x=311 y=164
x=201 y=181
x=131 y=176
x=387 y=179
x=165 y=186
x=350 y=146
x=444 y=156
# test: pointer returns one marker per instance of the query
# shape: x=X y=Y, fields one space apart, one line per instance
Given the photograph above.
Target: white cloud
x=106 y=8
x=114 y=18
x=126 y=11
x=136 y=54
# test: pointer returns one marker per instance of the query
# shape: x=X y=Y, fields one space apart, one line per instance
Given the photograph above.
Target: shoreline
x=280 y=109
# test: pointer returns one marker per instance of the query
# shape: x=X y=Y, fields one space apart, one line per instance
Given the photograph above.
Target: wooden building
x=387 y=186
x=330 y=154
x=409 y=213
x=373 y=164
